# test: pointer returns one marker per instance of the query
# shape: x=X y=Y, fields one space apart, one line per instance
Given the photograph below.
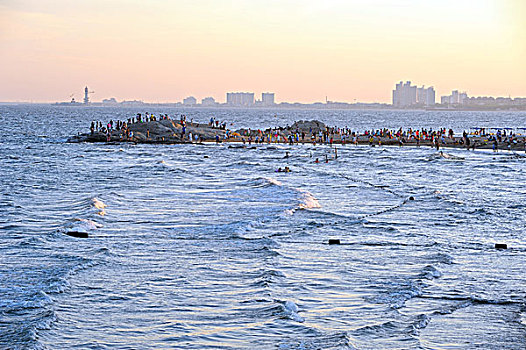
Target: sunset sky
x=303 y=50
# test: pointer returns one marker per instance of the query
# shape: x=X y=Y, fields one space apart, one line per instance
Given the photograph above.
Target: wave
x=98 y=204
x=246 y=230
x=308 y=201
x=397 y=298
x=421 y=322
x=380 y=329
x=443 y=155
x=339 y=340
x=84 y=226
x=409 y=326
x=283 y=309
x=402 y=291
x=27 y=296
x=430 y=272
x=273 y=309
x=441 y=258
x=266 y=278
x=291 y=310
x=472 y=300
x=266 y=182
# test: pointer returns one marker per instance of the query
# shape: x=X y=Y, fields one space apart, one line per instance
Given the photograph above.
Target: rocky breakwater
x=169 y=131
x=159 y=131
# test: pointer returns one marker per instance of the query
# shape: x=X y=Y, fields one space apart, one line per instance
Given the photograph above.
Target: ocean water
x=208 y=247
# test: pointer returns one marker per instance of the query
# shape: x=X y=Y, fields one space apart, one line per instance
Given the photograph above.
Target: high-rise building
x=406 y=95
x=421 y=94
x=240 y=99
x=425 y=96
x=267 y=99
x=430 y=97
x=456 y=98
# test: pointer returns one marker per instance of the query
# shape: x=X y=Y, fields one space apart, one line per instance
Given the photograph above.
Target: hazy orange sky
x=303 y=50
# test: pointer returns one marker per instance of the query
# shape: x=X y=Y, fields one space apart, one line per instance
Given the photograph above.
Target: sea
x=208 y=247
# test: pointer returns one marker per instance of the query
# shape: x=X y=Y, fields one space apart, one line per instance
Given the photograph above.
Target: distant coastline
x=280 y=106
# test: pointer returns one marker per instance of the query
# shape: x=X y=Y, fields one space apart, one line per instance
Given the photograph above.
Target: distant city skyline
x=404 y=95
x=351 y=50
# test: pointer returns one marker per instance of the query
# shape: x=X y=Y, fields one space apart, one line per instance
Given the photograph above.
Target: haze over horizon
x=348 y=50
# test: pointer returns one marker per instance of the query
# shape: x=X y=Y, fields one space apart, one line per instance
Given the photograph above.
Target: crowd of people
x=123 y=126
x=331 y=135
x=319 y=135
x=124 y=132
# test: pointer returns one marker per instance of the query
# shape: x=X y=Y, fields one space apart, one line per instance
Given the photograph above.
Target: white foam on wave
x=308 y=201
x=431 y=272
x=97 y=203
x=289 y=211
x=82 y=225
x=243 y=227
x=290 y=306
x=272 y=181
x=291 y=310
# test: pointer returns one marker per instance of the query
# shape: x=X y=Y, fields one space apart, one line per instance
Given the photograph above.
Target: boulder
x=306 y=126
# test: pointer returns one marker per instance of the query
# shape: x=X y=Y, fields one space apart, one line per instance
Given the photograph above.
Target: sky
x=302 y=50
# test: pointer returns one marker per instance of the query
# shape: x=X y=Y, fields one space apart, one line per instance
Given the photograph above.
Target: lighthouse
x=86 y=96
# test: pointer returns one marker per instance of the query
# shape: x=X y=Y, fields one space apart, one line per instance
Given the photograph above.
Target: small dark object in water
x=334 y=241
x=77 y=234
x=501 y=246
x=411 y=198
x=205 y=157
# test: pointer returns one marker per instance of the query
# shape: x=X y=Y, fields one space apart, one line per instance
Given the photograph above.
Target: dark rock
x=77 y=234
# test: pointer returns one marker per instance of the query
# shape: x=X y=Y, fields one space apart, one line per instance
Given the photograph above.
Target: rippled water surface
x=196 y=247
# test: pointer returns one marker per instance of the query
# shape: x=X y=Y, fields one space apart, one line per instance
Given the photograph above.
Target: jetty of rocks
x=169 y=131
